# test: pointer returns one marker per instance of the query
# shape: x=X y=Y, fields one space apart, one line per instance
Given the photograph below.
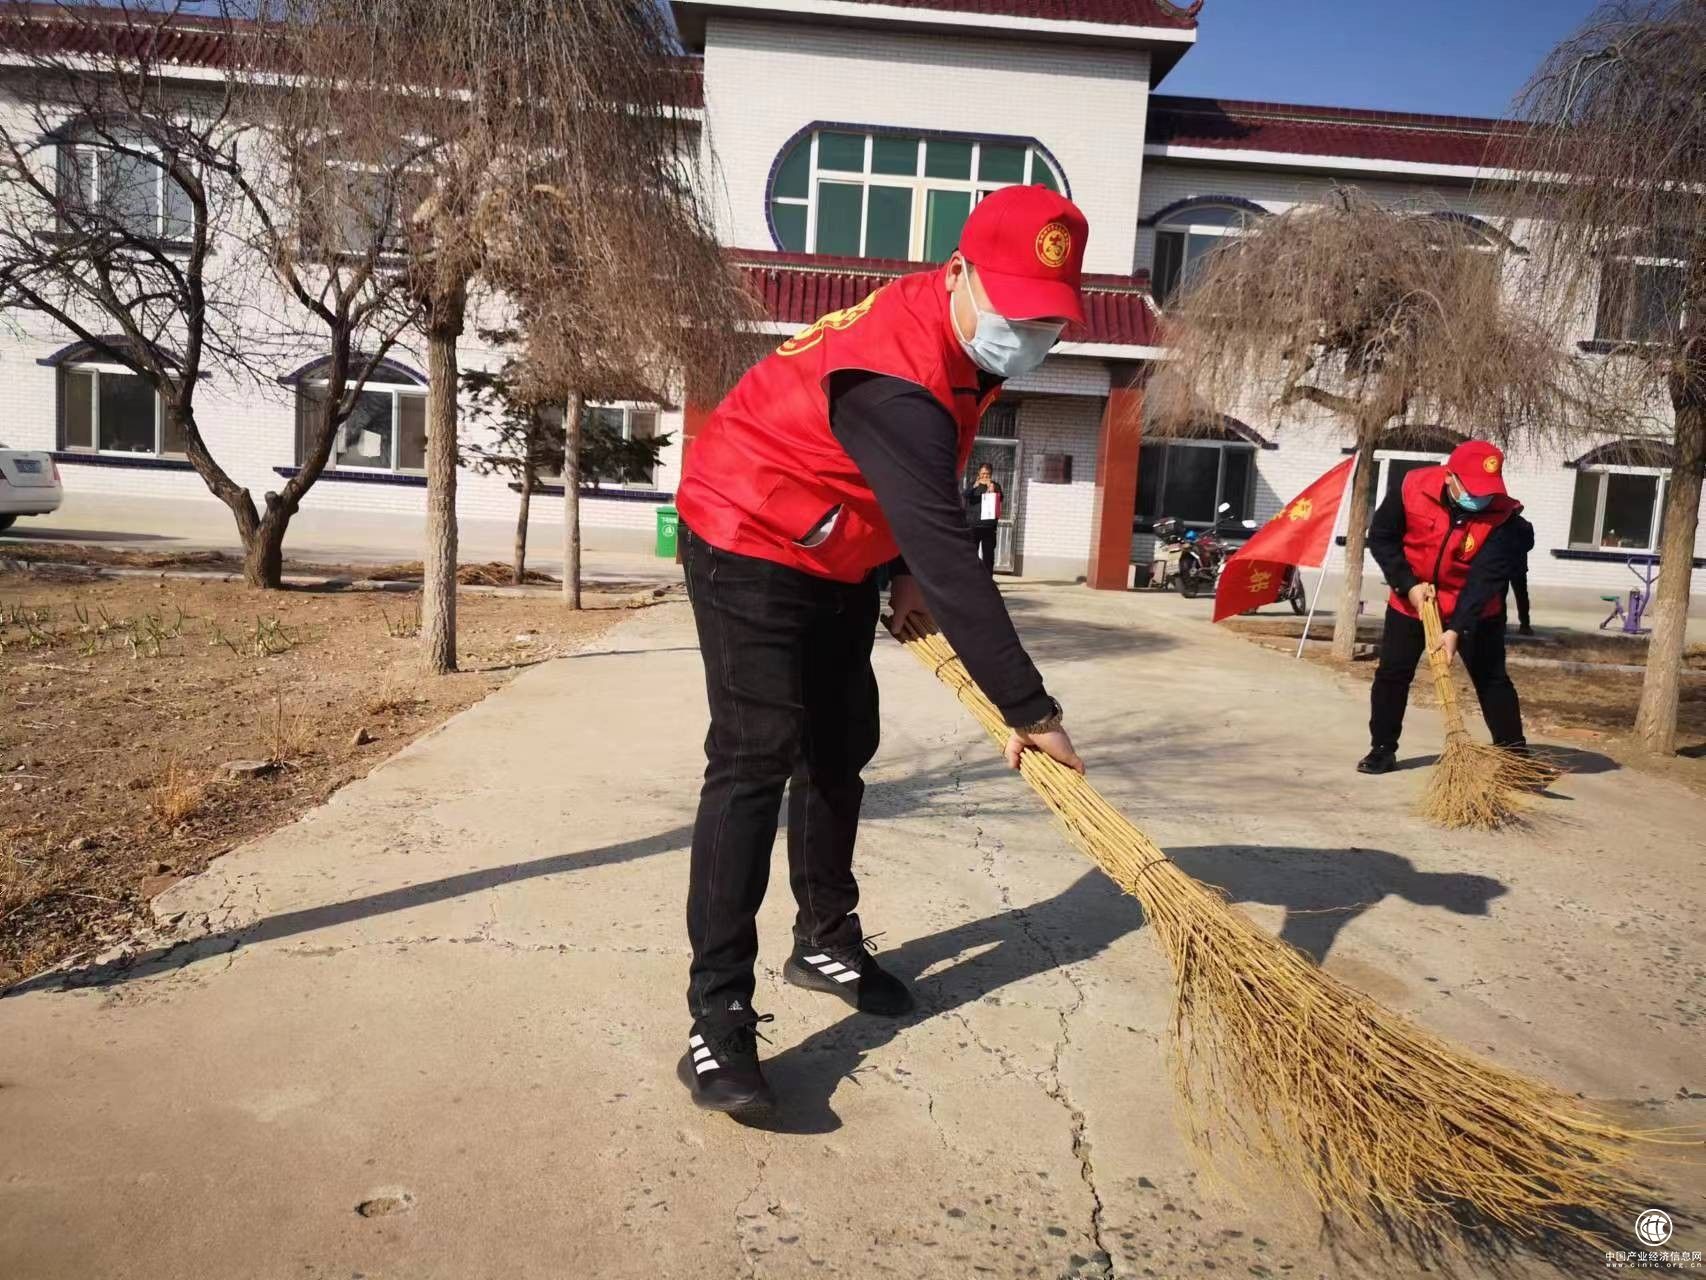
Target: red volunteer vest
x=1439 y=553
x=765 y=469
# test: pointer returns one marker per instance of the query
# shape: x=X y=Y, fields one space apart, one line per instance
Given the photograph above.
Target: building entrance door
x=997 y=447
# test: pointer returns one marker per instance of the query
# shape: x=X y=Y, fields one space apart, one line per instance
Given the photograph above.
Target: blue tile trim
x=138 y=461
x=361 y=477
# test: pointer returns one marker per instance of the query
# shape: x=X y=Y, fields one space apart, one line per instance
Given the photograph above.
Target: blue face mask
x=1469 y=502
x=1007 y=348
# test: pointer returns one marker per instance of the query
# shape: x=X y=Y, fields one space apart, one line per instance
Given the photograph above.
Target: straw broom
x=1379 y=1120
x=1474 y=784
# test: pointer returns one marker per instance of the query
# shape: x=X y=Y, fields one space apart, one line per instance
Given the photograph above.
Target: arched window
x=104 y=407
x=1620 y=495
x=875 y=194
x=112 y=177
x=1641 y=290
x=1187 y=232
x=386 y=431
x=1409 y=447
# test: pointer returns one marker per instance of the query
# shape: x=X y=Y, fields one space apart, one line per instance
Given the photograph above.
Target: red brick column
x=1116 y=478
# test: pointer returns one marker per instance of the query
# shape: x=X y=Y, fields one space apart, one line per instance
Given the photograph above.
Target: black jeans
x=1402 y=646
x=793 y=704
x=984 y=535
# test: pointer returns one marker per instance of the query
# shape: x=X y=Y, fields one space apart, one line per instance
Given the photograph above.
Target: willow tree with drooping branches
x=1374 y=316
x=1611 y=194
x=557 y=155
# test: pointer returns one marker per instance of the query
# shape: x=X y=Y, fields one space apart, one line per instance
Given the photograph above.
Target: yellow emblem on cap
x=1054 y=244
x=1490 y=464
x=812 y=334
x=1302 y=509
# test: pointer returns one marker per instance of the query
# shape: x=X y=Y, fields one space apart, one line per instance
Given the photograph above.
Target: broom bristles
x=1377 y=1119
x=1483 y=787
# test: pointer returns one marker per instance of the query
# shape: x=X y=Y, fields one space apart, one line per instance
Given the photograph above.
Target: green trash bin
x=669 y=528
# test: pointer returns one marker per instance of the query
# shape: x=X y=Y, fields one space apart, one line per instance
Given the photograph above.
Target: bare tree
x=556 y=156
x=1377 y=316
x=144 y=216
x=1612 y=193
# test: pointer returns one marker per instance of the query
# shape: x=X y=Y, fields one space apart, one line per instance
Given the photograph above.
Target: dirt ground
x=1572 y=684
x=126 y=698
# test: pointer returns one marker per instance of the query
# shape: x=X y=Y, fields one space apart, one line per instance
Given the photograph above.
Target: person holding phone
x=983 y=514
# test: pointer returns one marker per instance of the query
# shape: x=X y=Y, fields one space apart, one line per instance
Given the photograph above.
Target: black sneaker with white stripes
x=851 y=972
x=720 y=1068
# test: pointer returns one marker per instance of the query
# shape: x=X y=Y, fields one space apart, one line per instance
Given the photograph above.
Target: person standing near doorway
x=1454 y=530
x=837 y=453
x=983 y=514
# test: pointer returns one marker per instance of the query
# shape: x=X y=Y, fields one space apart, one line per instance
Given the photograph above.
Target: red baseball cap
x=1479 y=468
x=1027 y=244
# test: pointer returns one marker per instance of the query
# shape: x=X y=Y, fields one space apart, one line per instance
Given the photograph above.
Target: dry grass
x=176 y=797
x=1381 y=1122
x=290 y=731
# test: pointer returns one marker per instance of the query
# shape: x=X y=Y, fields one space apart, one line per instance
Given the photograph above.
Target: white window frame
x=629 y=408
x=1179 y=224
x=1384 y=456
x=918 y=183
x=1634 y=260
x=397 y=391
x=77 y=368
x=1662 y=475
x=95 y=150
x=1224 y=446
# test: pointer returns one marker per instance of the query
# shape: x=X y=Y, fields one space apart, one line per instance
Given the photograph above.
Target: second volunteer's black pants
x=1402 y=647
x=793 y=705
x=985 y=535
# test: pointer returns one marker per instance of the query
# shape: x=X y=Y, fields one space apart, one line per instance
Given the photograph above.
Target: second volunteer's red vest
x=1439 y=553
x=765 y=469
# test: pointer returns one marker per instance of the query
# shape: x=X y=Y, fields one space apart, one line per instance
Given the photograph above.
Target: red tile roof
x=1226 y=124
x=1130 y=13
x=797 y=288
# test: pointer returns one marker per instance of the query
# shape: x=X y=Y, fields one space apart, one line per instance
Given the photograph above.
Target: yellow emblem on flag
x=1302 y=509
x=1261 y=579
x=812 y=334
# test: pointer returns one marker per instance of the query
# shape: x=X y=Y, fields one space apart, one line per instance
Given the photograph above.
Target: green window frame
x=871 y=193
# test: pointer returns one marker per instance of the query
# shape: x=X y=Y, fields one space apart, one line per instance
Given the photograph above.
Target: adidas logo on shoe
x=850 y=973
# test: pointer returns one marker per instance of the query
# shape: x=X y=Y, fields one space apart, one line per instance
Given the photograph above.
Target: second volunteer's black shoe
x=720 y=1068
x=1378 y=760
x=852 y=973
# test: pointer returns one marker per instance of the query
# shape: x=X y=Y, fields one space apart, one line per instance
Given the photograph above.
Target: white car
x=29 y=484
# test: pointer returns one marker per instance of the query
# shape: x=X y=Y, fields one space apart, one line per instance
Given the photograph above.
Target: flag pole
x=1321 y=578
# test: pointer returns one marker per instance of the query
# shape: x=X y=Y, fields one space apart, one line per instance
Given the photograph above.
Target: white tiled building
x=847 y=137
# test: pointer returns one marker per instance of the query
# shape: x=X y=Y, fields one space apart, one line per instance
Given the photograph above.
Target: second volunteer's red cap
x=1027 y=244
x=1479 y=468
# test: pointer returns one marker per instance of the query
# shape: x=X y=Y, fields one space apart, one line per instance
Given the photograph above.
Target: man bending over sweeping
x=1456 y=529
x=840 y=453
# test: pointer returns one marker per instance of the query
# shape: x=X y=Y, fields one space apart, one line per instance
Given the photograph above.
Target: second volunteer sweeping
x=836 y=455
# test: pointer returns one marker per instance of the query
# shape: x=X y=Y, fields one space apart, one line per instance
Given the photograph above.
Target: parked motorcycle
x=1195 y=560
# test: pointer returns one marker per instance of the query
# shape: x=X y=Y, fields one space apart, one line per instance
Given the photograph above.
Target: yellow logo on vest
x=1469 y=543
x=1302 y=509
x=1054 y=245
x=813 y=333
x=1490 y=465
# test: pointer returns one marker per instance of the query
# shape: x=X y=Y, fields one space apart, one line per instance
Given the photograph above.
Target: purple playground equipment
x=1631 y=610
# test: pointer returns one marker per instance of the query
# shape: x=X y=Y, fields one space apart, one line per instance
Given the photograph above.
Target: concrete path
x=453 y=995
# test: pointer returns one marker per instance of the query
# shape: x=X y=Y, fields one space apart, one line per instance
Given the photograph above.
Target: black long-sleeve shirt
x=1503 y=557
x=907 y=447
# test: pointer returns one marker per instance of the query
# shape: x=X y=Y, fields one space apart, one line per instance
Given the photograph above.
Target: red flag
x=1298 y=535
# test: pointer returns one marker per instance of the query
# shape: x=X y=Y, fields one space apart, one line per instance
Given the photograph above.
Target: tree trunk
x=572 y=502
x=263 y=549
x=438 y=584
x=1356 y=530
x=521 y=516
x=1655 y=717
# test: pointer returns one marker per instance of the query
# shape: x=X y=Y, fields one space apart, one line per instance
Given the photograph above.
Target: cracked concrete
x=456 y=987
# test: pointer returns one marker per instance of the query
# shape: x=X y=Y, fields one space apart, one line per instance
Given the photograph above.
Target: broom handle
x=1444 y=687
